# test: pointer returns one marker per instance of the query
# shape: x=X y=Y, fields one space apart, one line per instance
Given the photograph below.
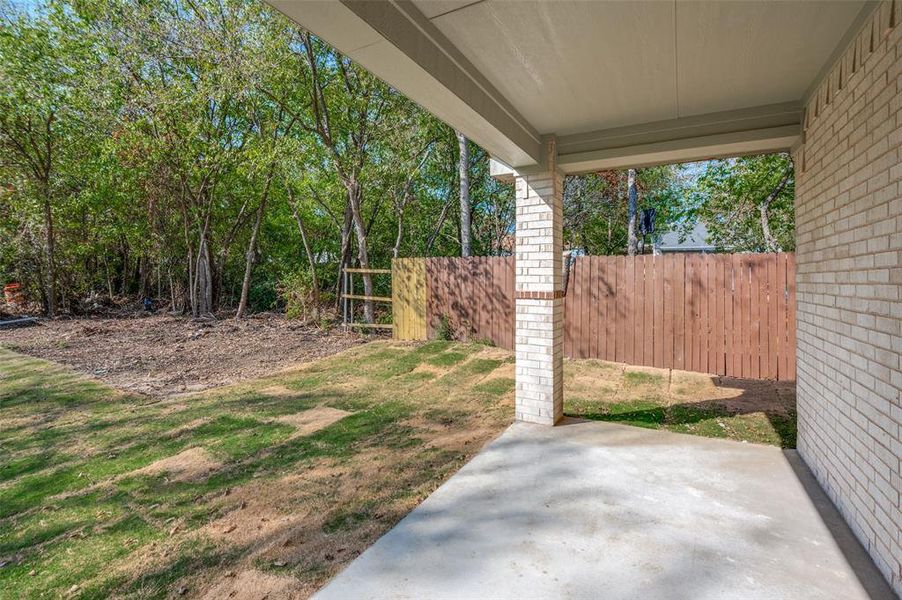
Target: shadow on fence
x=727 y=314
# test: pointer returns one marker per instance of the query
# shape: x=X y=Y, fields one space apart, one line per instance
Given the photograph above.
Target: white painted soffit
x=395 y=42
x=571 y=66
x=660 y=81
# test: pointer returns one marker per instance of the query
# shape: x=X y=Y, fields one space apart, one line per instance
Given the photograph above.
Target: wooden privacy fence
x=729 y=314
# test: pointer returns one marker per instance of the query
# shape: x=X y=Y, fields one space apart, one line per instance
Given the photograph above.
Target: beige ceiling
x=626 y=83
x=570 y=67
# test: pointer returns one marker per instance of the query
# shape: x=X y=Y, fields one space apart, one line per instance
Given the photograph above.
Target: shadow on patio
x=593 y=509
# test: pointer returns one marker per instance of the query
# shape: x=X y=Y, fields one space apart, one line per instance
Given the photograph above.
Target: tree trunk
x=344 y=259
x=172 y=303
x=632 y=245
x=224 y=249
x=206 y=298
x=438 y=226
x=310 y=258
x=142 y=277
x=191 y=287
x=50 y=249
x=770 y=242
x=252 y=246
x=109 y=280
x=203 y=281
x=396 y=250
x=363 y=258
x=463 y=164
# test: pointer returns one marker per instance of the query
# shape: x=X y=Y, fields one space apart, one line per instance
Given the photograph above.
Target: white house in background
x=694 y=240
x=558 y=87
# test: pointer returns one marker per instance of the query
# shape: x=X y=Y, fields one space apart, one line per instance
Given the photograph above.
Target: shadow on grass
x=707 y=417
x=73 y=498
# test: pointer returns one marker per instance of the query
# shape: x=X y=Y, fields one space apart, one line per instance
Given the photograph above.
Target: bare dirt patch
x=279 y=391
x=252 y=584
x=312 y=420
x=475 y=433
x=433 y=370
x=760 y=411
x=193 y=464
x=162 y=355
x=771 y=397
x=283 y=512
x=255 y=522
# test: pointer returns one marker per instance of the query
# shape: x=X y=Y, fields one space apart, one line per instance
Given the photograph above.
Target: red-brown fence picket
x=730 y=314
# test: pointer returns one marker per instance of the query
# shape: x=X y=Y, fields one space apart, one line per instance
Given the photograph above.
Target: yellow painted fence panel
x=409 y=298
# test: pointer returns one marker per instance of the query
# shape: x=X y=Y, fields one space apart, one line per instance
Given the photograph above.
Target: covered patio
x=598 y=510
x=556 y=88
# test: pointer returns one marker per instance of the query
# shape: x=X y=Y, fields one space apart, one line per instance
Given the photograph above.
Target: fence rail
x=730 y=314
x=348 y=296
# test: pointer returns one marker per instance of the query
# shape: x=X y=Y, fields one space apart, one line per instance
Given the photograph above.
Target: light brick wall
x=849 y=253
x=539 y=328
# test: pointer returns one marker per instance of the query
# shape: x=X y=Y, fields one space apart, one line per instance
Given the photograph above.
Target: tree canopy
x=747 y=203
x=210 y=154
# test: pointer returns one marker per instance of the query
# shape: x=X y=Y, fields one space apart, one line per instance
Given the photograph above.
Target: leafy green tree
x=51 y=111
x=494 y=210
x=747 y=203
x=31 y=99
x=212 y=154
x=596 y=206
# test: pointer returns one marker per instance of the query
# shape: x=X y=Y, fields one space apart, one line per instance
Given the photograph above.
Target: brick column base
x=539 y=303
x=540 y=361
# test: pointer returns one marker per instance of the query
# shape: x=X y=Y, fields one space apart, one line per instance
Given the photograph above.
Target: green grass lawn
x=276 y=483
x=694 y=403
x=281 y=480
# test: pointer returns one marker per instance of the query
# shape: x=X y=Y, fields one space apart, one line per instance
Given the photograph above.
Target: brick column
x=539 y=299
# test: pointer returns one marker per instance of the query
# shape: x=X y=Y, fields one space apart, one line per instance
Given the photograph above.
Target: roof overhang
x=724 y=79
x=733 y=133
x=395 y=42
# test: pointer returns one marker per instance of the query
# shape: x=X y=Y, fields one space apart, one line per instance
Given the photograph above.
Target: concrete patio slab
x=596 y=510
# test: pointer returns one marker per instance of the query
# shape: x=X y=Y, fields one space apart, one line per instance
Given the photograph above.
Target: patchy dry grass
x=738 y=409
x=267 y=486
x=272 y=485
